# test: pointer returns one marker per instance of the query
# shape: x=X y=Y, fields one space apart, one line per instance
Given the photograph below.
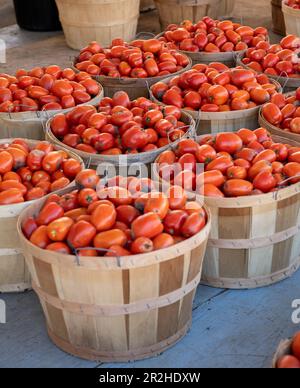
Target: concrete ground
x=230 y=328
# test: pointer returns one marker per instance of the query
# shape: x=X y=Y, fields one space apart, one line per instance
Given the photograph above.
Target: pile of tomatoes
x=215 y=88
x=235 y=164
x=284 y=112
x=275 y=59
x=28 y=173
x=212 y=36
x=291 y=361
x=49 y=88
x=138 y=59
x=293 y=3
x=124 y=217
x=120 y=126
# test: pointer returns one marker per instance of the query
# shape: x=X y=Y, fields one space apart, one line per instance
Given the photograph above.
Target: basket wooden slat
x=254 y=240
x=14 y=275
x=85 y=21
x=30 y=125
x=144 y=158
x=134 y=87
x=283 y=349
x=278 y=18
x=117 y=309
x=291 y=19
x=215 y=122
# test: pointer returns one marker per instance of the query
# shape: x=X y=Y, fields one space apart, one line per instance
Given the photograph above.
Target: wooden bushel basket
x=134 y=87
x=144 y=158
x=30 y=125
x=284 y=349
x=291 y=19
x=14 y=275
x=276 y=130
x=84 y=21
x=215 y=122
x=254 y=240
x=228 y=58
x=116 y=309
x=288 y=84
x=175 y=11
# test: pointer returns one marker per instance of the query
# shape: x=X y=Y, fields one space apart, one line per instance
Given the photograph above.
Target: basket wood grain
x=215 y=122
x=143 y=158
x=134 y=87
x=284 y=349
x=278 y=18
x=14 y=275
x=228 y=58
x=288 y=84
x=116 y=309
x=254 y=240
x=175 y=11
x=291 y=19
x=30 y=125
x=85 y=21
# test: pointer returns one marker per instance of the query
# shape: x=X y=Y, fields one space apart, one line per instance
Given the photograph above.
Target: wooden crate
x=14 y=275
x=116 y=309
x=100 y=20
x=31 y=125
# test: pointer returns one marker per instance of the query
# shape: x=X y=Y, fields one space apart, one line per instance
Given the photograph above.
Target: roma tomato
x=228 y=142
x=105 y=240
x=142 y=245
x=81 y=235
x=58 y=230
x=237 y=188
x=50 y=212
x=163 y=241
x=193 y=225
x=148 y=225
x=40 y=237
x=104 y=217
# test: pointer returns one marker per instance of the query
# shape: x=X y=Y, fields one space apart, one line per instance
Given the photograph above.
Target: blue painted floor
x=230 y=329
